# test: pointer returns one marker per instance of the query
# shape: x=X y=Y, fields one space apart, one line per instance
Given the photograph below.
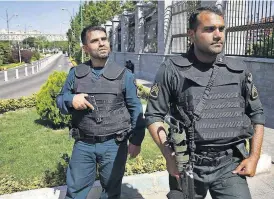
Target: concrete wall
x=146 y=66
x=263 y=76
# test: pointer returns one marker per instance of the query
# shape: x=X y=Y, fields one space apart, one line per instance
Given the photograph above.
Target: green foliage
x=36 y=55
x=143 y=91
x=14 y=104
x=5 y=53
x=264 y=47
x=141 y=165
x=93 y=14
x=57 y=176
x=10 y=184
x=46 y=100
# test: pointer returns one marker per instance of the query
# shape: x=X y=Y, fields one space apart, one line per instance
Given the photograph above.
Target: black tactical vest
x=110 y=115
x=223 y=119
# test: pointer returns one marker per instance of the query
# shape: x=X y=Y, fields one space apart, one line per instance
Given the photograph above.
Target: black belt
x=96 y=139
x=213 y=158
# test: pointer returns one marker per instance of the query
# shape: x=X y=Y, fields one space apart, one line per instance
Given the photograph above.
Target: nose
x=101 y=42
x=217 y=33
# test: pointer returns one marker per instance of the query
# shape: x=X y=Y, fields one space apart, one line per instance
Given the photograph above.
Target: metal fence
x=131 y=34
x=150 y=30
x=179 y=24
x=250 y=27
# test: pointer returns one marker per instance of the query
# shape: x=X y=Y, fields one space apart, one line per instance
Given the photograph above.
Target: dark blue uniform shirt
x=133 y=104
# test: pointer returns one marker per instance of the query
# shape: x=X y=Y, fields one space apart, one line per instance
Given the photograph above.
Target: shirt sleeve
x=254 y=107
x=64 y=98
x=159 y=97
x=135 y=109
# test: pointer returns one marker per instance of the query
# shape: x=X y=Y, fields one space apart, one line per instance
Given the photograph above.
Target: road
x=27 y=85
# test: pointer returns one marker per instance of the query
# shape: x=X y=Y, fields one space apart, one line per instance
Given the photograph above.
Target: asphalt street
x=27 y=85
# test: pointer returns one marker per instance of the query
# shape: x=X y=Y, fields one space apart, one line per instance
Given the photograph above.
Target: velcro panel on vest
x=82 y=70
x=113 y=71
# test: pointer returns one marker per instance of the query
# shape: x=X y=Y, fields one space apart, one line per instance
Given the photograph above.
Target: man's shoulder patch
x=154 y=91
x=254 y=92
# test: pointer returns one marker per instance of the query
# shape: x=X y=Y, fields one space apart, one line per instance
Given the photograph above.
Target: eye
x=210 y=29
x=222 y=28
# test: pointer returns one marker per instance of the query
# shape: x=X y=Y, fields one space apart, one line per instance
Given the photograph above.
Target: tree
x=5 y=53
x=93 y=14
x=30 y=41
x=264 y=47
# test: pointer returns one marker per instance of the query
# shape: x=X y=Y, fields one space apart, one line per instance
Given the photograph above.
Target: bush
x=26 y=56
x=14 y=104
x=36 y=55
x=57 y=177
x=46 y=100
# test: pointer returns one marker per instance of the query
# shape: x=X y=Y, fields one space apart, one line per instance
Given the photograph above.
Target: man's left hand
x=247 y=167
x=133 y=150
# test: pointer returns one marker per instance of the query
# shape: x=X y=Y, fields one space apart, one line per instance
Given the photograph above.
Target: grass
x=28 y=147
x=8 y=66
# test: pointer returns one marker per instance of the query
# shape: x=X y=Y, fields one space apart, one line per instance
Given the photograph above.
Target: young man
x=101 y=96
x=218 y=116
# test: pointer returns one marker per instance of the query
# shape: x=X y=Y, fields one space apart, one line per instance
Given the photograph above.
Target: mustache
x=218 y=42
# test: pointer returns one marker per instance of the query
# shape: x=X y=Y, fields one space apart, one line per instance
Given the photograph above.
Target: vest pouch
x=242 y=150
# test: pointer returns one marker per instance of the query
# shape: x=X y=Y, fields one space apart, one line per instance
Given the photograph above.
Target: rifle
x=185 y=148
x=177 y=138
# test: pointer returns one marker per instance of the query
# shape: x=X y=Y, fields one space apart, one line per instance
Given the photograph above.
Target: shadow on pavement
x=129 y=192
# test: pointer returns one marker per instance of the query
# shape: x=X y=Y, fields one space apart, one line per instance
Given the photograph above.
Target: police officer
x=101 y=97
x=231 y=111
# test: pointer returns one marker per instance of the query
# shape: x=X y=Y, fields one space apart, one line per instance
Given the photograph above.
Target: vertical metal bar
x=247 y=31
x=268 y=29
x=259 y=30
x=272 y=37
x=231 y=25
x=252 y=22
x=265 y=29
x=234 y=24
x=237 y=17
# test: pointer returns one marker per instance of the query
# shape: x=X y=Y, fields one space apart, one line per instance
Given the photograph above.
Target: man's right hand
x=172 y=169
x=79 y=102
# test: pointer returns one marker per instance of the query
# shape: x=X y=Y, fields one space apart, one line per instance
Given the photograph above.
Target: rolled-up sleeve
x=135 y=109
x=254 y=107
x=64 y=98
x=159 y=97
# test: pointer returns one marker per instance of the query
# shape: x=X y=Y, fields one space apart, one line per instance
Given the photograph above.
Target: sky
x=44 y=16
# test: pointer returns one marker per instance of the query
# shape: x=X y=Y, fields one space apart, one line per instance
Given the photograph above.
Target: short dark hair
x=89 y=29
x=193 y=19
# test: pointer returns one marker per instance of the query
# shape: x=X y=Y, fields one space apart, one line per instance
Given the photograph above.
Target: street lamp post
x=8 y=20
x=72 y=33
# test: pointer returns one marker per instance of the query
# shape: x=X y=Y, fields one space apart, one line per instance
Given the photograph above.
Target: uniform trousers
x=218 y=180
x=108 y=158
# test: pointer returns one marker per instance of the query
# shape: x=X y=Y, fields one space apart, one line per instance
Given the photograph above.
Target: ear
x=191 y=34
x=85 y=48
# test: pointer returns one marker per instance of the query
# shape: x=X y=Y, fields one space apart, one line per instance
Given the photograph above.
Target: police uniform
x=225 y=122
x=101 y=134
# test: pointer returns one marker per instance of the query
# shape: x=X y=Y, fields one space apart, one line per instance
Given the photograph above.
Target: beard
x=101 y=54
x=211 y=50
